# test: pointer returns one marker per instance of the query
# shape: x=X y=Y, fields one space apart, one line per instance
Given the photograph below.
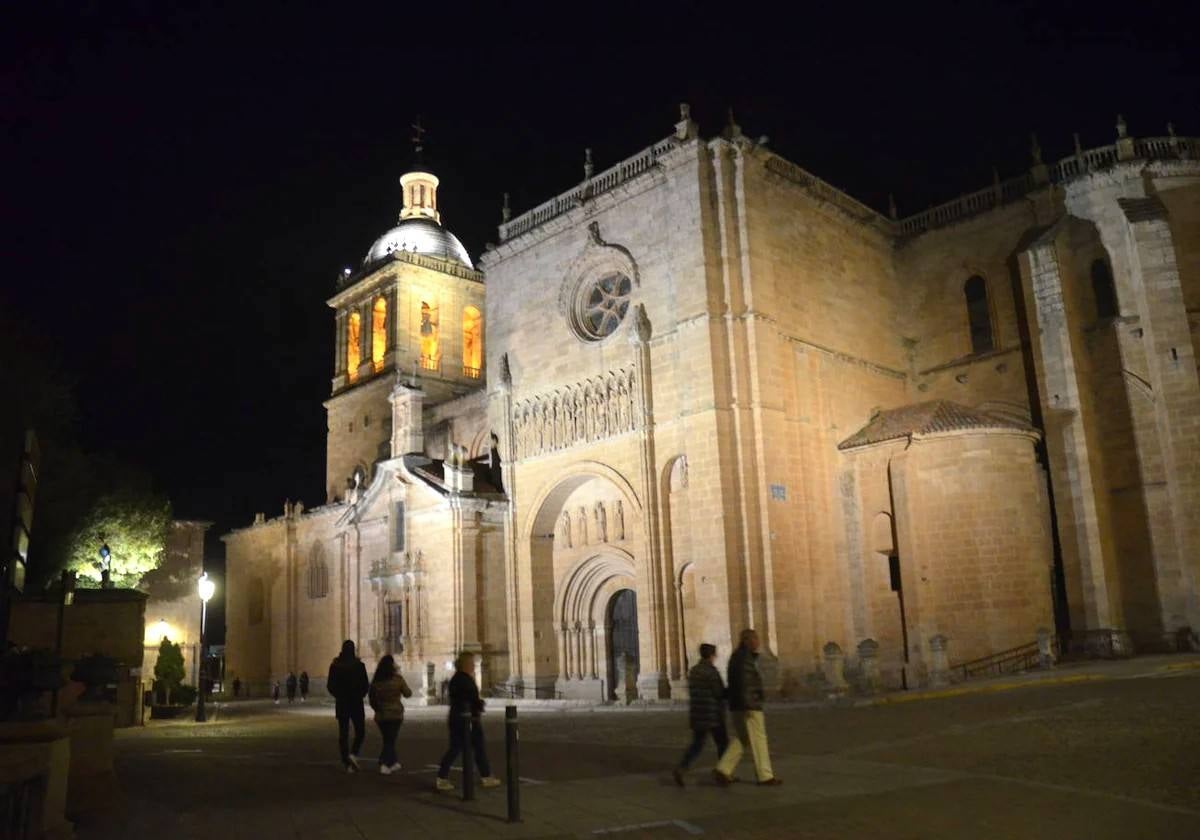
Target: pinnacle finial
x=1171 y=129
x=1078 y=147
x=505 y=211
x=995 y=176
x=1035 y=149
x=588 y=167
x=892 y=206
x=685 y=112
x=732 y=129
x=1122 y=128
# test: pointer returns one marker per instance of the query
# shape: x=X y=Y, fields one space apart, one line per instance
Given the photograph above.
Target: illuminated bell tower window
x=429 y=336
x=353 y=345
x=472 y=342
x=378 y=334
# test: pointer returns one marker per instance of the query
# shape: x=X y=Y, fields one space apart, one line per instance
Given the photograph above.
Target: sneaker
x=354 y=760
x=443 y=784
x=489 y=782
x=677 y=775
x=350 y=768
x=721 y=779
x=771 y=782
x=386 y=769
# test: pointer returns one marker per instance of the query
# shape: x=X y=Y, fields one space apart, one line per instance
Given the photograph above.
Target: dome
x=421 y=236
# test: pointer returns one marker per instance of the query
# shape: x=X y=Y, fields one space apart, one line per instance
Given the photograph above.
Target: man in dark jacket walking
x=706 y=709
x=746 y=705
x=291 y=687
x=464 y=699
x=348 y=684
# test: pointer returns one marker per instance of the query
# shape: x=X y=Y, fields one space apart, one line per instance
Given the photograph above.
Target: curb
x=1182 y=666
x=989 y=688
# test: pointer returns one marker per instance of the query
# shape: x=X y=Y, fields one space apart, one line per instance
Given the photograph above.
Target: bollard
x=468 y=770
x=513 y=770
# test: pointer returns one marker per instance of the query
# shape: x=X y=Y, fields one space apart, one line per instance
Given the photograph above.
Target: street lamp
x=206 y=587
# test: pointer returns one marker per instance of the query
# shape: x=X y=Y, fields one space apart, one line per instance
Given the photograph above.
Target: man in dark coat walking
x=706 y=710
x=746 y=697
x=348 y=684
x=291 y=687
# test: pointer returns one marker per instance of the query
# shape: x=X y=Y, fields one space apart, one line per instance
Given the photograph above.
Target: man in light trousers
x=745 y=689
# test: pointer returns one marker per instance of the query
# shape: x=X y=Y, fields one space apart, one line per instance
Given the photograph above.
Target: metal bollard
x=468 y=760
x=511 y=738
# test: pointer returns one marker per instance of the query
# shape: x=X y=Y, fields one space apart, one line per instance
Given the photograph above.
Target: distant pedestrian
x=275 y=692
x=464 y=698
x=291 y=687
x=387 y=690
x=237 y=687
x=746 y=704
x=706 y=710
x=303 y=686
x=348 y=684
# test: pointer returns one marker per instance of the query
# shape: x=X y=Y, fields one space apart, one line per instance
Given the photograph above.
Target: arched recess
x=379 y=342
x=580 y=608
x=543 y=650
x=979 y=314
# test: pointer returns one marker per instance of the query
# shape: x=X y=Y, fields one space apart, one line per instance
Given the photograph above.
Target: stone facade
x=721 y=393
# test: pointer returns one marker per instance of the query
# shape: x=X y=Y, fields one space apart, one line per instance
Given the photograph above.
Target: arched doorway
x=622 y=631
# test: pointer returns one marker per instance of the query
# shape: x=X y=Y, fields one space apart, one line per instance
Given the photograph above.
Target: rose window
x=602 y=305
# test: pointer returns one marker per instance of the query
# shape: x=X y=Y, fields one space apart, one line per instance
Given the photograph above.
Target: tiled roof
x=924 y=419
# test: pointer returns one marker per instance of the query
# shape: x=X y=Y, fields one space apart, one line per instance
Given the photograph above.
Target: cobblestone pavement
x=1116 y=758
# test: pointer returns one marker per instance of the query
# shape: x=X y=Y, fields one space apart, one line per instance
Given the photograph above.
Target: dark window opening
x=398 y=525
x=1103 y=290
x=979 y=315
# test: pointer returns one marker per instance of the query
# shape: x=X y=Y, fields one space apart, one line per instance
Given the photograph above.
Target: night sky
x=181 y=187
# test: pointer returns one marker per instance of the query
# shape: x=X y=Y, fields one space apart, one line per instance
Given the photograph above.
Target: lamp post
x=206 y=587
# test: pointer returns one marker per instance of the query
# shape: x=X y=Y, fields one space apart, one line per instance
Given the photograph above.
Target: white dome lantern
x=420 y=230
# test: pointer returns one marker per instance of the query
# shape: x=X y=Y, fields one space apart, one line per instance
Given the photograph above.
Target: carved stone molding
x=586 y=411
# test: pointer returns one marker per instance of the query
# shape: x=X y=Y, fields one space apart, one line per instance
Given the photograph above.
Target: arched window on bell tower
x=979 y=315
x=472 y=342
x=379 y=342
x=429 y=336
x=353 y=345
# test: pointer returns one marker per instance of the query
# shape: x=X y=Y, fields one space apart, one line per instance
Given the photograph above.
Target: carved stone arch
x=577 y=600
x=481 y=444
x=549 y=501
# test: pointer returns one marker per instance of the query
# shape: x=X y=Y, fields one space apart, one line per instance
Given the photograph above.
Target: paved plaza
x=1110 y=751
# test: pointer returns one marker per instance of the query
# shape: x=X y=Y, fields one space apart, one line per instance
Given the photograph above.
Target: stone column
x=408 y=435
x=834 y=662
x=592 y=650
x=1171 y=363
x=868 y=663
x=939 y=662
x=1072 y=439
x=563 y=673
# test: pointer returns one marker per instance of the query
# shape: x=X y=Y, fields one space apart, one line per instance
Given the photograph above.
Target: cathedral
x=704 y=390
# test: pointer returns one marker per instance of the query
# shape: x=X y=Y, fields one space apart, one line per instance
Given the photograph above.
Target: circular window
x=601 y=306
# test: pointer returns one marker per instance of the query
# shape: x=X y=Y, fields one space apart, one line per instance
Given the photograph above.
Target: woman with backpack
x=388 y=689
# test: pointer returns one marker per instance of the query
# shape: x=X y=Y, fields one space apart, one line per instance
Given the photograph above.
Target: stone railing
x=607 y=180
x=423 y=260
x=1072 y=166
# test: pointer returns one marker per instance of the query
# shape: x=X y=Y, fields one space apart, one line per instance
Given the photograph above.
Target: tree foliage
x=168 y=670
x=134 y=522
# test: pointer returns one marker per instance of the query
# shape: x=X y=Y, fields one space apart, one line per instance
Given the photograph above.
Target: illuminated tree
x=168 y=670
x=133 y=522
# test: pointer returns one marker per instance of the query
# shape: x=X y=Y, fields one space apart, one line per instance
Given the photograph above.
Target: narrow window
x=979 y=315
x=472 y=342
x=318 y=574
x=353 y=345
x=429 y=337
x=1104 y=291
x=378 y=334
x=398 y=525
x=395 y=620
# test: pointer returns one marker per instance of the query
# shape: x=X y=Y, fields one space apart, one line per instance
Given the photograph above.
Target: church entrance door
x=623 y=645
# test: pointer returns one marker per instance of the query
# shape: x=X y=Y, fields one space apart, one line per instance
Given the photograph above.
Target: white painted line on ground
x=694 y=830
